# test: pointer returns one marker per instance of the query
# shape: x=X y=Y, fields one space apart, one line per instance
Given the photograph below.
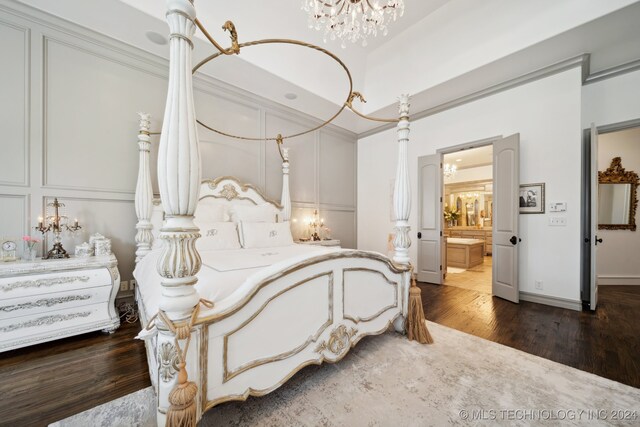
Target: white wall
x=69 y=124
x=612 y=100
x=547 y=115
x=617 y=262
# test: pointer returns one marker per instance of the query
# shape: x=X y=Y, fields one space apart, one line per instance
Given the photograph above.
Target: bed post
x=285 y=199
x=144 y=193
x=179 y=183
x=402 y=189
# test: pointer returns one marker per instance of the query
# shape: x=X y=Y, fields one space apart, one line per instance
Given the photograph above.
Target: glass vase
x=29 y=254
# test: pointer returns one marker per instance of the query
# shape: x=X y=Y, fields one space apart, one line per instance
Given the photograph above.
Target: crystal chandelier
x=352 y=20
x=449 y=170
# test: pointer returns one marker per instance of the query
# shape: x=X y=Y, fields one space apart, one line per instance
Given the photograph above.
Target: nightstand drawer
x=25 y=330
x=38 y=284
x=24 y=306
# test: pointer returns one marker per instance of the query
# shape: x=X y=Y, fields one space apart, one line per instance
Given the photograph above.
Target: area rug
x=455 y=270
x=389 y=381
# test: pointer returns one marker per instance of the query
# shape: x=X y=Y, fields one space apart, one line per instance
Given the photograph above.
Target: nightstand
x=330 y=242
x=45 y=300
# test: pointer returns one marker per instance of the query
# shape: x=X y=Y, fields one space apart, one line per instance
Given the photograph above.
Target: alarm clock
x=9 y=250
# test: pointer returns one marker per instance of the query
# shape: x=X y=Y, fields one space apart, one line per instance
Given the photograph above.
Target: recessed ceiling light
x=290 y=95
x=156 y=38
x=458 y=160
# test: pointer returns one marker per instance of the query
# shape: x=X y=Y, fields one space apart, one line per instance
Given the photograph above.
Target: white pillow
x=265 y=234
x=217 y=236
x=210 y=210
x=248 y=213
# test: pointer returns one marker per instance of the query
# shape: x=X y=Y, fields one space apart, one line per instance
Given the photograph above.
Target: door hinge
x=440 y=268
x=441 y=234
x=440 y=199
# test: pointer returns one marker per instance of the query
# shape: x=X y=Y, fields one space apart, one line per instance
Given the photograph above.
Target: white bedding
x=222 y=271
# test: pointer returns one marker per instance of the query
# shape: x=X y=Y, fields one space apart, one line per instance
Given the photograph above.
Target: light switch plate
x=558 y=221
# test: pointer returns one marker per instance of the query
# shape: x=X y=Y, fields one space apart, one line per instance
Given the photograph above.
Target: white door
x=506 y=189
x=430 y=219
x=594 y=216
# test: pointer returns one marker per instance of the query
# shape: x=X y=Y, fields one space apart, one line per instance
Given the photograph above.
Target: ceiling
x=474 y=157
x=438 y=51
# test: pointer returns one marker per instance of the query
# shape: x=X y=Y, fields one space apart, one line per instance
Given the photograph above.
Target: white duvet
x=222 y=271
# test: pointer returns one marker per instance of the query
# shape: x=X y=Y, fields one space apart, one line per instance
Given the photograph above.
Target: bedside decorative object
x=101 y=244
x=50 y=299
x=56 y=223
x=84 y=250
x=9 y=250
x=331 y=242
x=316 y=224
x=29 y=248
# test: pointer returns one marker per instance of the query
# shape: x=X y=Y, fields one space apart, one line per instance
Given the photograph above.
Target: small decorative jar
x=103 y=247
x=84 y=250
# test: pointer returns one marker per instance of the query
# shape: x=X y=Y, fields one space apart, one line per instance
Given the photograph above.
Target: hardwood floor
x=606 y=343
x=51 y=381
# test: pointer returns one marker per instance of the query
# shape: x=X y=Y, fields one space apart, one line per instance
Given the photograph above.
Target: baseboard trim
x=552 y=301
x=618 y=280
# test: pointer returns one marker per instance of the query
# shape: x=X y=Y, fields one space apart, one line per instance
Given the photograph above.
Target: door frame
x=585 y=208
x=455 y=149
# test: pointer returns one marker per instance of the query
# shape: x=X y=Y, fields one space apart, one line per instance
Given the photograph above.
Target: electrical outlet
x=124 y=285
x=538 y=284
x=132 y=284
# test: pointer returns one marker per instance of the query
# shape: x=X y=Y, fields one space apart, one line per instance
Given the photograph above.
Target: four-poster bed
x=268 y=311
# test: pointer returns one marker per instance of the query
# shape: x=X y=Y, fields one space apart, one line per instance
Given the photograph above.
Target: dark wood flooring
x=606 y=343
x=51 y=381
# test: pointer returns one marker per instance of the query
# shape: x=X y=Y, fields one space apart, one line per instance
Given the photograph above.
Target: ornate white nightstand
x=331 y=242
x=46 y=300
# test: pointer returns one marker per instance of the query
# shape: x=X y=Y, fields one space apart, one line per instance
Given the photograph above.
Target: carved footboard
x=304 y=315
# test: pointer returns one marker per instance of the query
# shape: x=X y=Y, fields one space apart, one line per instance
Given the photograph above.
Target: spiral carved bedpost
x=179 y=182
x=402 y=190
x=285 y=199
x=144 y=192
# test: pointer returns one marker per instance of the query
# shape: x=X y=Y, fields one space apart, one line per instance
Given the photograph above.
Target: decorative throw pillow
x=265 y=234
x=210 y=210
x=217 y=236
x=249 y=213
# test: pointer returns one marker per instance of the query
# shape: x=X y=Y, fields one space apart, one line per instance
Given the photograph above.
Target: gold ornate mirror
x=617 y=198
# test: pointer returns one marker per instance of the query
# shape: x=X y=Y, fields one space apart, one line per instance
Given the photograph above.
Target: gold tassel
x=182 y=412
x=416 y=323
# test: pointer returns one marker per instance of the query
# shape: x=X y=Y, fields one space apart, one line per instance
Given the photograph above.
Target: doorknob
x=598 y=240
x=513 y=240
x=586 y=240
x=419 y=235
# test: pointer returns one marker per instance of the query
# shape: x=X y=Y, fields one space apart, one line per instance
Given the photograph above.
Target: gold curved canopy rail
x=235 y=49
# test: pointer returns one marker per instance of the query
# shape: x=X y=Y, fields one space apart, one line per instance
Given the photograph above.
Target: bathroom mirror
x=617 y=198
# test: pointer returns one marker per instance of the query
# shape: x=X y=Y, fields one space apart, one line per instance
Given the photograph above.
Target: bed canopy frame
x=180 y=189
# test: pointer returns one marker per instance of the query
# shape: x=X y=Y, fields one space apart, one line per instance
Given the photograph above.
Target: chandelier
x=352 y=20
x=449 y=170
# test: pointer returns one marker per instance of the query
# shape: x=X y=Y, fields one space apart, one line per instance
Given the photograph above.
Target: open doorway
x=468 y=216
x=611 y=243
x=500 y=203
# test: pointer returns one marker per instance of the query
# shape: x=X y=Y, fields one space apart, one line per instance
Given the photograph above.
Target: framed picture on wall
x=532 y=198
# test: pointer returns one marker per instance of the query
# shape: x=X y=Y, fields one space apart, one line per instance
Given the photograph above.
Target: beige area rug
x=455 y=270
x=389 y=381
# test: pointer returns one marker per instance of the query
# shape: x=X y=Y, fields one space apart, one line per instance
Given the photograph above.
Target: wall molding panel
x=11 y=122
x=81 y=91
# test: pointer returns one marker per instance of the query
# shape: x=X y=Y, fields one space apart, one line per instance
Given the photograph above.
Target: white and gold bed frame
x=253 y=341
